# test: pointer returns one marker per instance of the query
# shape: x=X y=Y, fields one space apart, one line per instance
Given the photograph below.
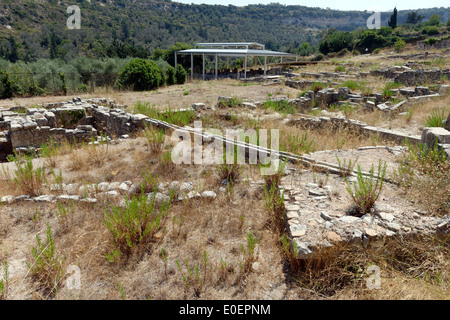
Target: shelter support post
x=192 y=67
x=245 y=68
x=217 y=57
x=265 y=65
x=203 y=66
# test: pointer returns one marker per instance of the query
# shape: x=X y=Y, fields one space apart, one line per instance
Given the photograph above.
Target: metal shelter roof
x=237 y=52
x=231 y=45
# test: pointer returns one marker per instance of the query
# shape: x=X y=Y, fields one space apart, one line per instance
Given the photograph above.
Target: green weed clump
x=134 y=224
x=46 y=267
x=155 y=140
x=351 y=84
x=49 y=152
x=179 y=118
x=297 y=144
x=26 y=178
x=192 y=277
x=249 y=253
x=436 y=118
x=366 y=190
x=281 y=106
x=231 y=102
x=98 y=151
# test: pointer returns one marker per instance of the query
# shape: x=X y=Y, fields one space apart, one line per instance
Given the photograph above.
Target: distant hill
x=118 y=27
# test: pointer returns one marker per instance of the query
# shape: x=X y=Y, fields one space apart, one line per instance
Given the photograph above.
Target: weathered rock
x=123 y=188
x=186 y=187
x=298 y=230
x=44 y=198
x=209 y=194
x=325 y=216
x=198 y=106
x=386 y=216
x=431 y=134
x=333 y=236
x=72 y=188
x=348 y=219
x=7 y=199
x=103 y=186
x=68 y=198
x=447 y=123
x=302 y=248
x=158 y=197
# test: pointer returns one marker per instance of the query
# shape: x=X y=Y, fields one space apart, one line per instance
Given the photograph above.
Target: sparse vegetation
x=46 y=266
x=134 y=224
x=436 y=118
x=26 y=178
x=422 y=173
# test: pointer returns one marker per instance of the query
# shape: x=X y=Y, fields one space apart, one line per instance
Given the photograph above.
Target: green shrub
x=339 y=69
x=342 y=53
x=435 y=20
x=50 y=153
x=431 y=41
x=26 y=178
x=170 y=75
x=180 y=74
x=366 y=190
x=139 y=75
x=155 y=140
x=399 y=45
x=297 y=144
x=134 y=224
x=7 y=87
x=46 y=267
x=249 y=253
x=430 y=30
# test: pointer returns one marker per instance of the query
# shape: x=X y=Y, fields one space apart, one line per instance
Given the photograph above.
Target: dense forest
x=34 y=29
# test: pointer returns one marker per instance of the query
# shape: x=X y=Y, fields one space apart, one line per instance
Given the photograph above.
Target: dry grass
x=417 y=265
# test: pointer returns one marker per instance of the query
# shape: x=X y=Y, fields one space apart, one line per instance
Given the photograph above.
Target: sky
x=381 y=5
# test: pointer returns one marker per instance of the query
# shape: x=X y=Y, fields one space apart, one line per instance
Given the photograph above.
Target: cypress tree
x=392 y=22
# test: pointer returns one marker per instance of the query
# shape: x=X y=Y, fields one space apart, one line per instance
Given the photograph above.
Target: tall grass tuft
x=281 y=106
x=47 y=267
x=26 y=178
x=134 y=224
x=155 y=140
x=366 y=190
x=436 y=118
